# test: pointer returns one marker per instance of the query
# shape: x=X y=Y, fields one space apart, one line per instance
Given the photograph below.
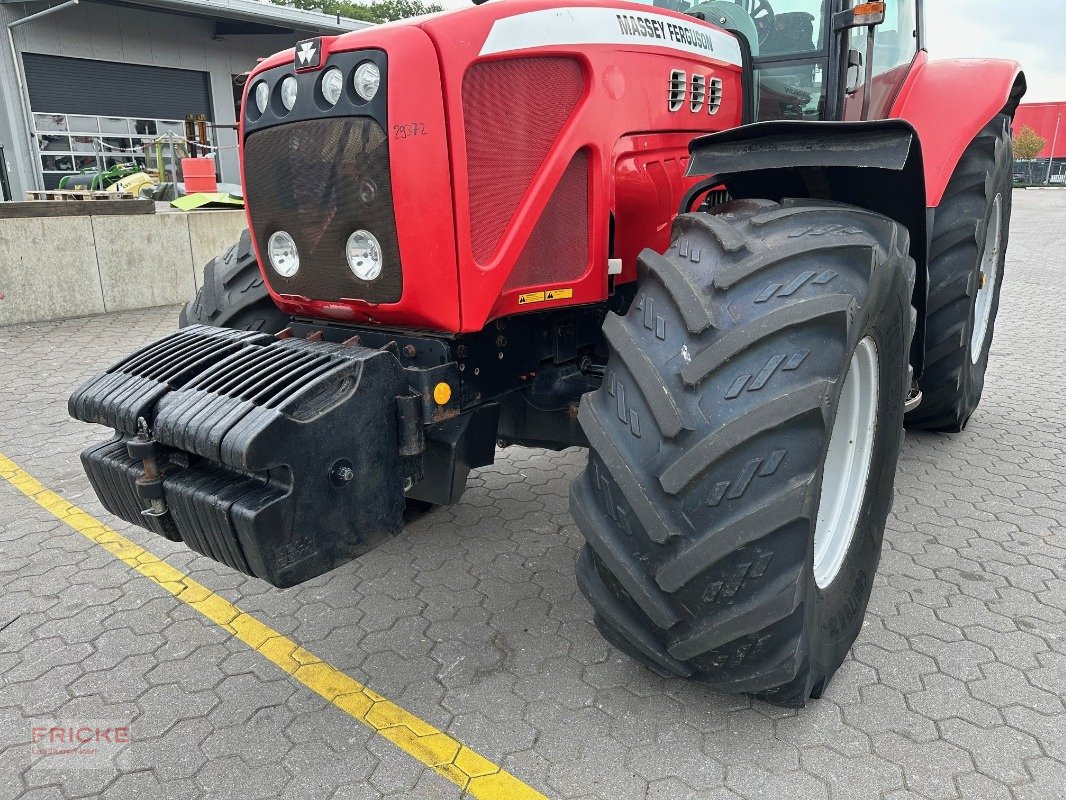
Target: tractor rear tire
x=972 y=222
x=710 y=443
x=233 y=294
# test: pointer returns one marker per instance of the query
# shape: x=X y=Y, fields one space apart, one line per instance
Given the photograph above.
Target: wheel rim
x=982 y=321
x=847 y=464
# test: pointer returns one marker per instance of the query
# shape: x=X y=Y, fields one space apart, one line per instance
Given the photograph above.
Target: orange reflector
x=871 y=13
x=442 y=393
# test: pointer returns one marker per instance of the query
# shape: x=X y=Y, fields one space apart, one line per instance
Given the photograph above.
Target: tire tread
x=706 y=583
x=234 y=294
x=952 y=383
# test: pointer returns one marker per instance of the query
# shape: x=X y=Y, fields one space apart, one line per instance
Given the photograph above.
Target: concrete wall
x=53 y=268
x=134 y=36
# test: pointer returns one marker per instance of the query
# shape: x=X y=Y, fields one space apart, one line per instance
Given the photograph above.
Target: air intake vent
x=513 y=111
x=678 y=89
x=715 y=101
x=699 y=92
x=558 y=248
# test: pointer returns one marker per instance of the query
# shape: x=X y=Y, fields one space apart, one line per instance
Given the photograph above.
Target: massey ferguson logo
x=309 y=54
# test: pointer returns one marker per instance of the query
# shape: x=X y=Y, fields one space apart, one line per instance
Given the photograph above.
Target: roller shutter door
x=81 y=86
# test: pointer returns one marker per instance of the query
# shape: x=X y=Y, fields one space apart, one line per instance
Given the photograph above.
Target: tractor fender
x=877 y=165
x=948 y=103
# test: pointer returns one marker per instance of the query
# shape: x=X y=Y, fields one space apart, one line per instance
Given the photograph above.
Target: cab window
x=791 y=58
x=896 y=41
x=895 y=45
x=790 y=27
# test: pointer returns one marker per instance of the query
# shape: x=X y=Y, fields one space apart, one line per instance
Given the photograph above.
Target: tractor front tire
x=715 y=432
x=969 y=247
x=233 y=294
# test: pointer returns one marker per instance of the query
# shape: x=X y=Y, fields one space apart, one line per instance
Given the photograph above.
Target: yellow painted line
x=468 y=770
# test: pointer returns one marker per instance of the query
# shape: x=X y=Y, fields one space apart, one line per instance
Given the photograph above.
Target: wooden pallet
x=76 y=194
x=75 y=208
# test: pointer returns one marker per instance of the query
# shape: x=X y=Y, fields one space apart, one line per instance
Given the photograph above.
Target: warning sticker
x=540 y=297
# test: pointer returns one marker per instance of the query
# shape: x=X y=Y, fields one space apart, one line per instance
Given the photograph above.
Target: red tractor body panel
x=948 y=103
x=619 y=122
x=517 y=132
x=422 y=179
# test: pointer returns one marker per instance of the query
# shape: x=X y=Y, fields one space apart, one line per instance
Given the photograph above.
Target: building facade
x=85 y=83
x=1049 y=122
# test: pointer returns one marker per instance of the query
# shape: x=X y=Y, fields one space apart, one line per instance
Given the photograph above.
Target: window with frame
x=74 y=143
x=895 y=46
x=791 y=61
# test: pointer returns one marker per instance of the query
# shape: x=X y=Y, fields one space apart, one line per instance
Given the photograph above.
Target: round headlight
x=283 y=255
x=288 y=92
x=367 y=80
x=262 y=96
x=332 y=85
x=364 y=255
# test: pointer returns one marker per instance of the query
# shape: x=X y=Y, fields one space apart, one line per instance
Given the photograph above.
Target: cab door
x=893 y=46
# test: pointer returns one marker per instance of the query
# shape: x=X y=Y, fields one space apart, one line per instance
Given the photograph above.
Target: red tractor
x=733 y=249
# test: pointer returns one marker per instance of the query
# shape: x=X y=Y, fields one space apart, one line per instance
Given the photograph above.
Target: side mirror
x=861 y=16
x=855 y=72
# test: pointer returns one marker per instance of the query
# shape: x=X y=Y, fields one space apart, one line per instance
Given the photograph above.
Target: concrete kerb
x=62 y=267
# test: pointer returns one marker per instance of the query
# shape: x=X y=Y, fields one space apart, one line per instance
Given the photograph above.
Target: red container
x=199 y=175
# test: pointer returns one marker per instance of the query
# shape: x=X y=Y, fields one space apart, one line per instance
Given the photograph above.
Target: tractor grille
x=513 y=111
x=320 y=180
x=558 y=248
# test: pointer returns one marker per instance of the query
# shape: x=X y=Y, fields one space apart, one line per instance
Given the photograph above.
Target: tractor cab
x=814 y=59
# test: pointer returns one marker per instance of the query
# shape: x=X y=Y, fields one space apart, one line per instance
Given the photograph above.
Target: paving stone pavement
x=472 y=620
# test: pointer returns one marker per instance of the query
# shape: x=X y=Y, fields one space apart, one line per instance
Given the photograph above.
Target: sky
x=1030 y=31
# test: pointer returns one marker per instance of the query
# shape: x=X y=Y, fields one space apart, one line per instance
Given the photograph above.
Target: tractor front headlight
x=367 y=79
x=262 y=96
x=332 y=85
x=364 y=255
x=283 y=255
x=288 y=92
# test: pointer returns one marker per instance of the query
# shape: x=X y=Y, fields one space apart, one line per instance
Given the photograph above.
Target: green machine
x=95 y=180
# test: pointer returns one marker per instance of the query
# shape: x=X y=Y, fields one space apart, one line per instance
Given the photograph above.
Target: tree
x=1028 y=145
x=375 y=11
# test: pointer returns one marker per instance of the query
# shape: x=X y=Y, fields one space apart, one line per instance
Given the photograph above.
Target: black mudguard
x=278 y=457
x=876 y=165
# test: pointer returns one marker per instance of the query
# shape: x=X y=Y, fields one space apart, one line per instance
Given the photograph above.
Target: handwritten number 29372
x=408 y=131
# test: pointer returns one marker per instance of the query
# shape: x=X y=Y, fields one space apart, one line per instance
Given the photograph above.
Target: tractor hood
x=479 y=180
